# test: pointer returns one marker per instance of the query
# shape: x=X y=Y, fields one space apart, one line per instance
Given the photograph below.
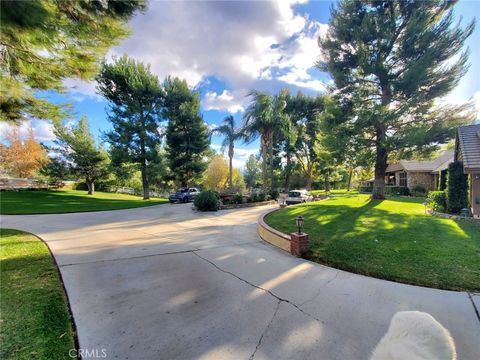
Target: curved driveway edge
x=169 y=283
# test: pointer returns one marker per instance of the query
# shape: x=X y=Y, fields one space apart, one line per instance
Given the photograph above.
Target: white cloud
x=240 y=154
x=43 y=130
x=224 y=101
x=79 y=90
x=239 y=42
x=456 y=98
x=308 y=83
x=476 y=101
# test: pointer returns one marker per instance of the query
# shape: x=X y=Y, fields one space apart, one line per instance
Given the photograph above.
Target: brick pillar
x=299 y=244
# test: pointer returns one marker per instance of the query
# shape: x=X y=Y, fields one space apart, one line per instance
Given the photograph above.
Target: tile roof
x=469 y=142
x=434 y=165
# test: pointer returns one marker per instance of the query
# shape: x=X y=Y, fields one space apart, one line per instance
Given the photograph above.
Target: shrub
x=261 y=197
x=437 y=200
x=457 y=188
x=365 y=189
x=274 y=194
x=419 y=190
x=396 y=190
x=80 y=186
x=207 y=200
x=442 y=180
x=237 y=199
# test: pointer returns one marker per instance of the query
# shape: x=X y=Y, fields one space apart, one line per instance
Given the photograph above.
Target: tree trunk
x=327 y=182
x=91 y=187
x=380 y=164
x=145 y=185
x=264 y=165
x=349 y=183
x=230 y=175
x=272 y=181
x=287 y=174
x=143 y=165
x=309 y=182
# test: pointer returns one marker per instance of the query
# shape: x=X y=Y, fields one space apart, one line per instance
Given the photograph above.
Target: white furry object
x=415 y=335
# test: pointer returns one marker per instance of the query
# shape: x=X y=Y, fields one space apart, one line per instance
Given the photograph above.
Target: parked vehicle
x=298 y=197
x=184 y=195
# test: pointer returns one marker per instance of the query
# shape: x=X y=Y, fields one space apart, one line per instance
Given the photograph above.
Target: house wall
x=475 y=193
x=420 y=178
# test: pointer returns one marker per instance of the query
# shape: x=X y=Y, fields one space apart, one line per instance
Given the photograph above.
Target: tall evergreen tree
x=136 y=96
x=78 y=146
x=391 y=60
x=46 y=41
x=187 y=136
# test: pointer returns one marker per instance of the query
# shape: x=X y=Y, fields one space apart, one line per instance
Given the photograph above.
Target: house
x=467 y=150
x=410 y=173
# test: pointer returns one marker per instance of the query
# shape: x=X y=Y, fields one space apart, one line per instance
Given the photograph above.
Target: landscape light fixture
x=299 y=220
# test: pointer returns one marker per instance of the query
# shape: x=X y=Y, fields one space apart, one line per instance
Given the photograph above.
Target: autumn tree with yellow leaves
x=22 y=158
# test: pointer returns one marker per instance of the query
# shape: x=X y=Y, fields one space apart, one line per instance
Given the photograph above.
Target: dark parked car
x=184 y=195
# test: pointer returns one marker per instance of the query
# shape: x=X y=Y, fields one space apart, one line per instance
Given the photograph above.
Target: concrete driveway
x=166 y=282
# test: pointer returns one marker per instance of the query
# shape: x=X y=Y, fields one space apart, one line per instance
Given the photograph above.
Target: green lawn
x=391 y=239
x=67 y=201
x=35 y=322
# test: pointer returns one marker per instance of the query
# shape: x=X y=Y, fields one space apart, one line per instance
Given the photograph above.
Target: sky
x=224 y=49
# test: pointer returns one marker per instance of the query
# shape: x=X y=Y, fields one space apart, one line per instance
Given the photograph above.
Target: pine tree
x=78 y=146
x=136 y=96
x=46 y=41
x=187 y=136
x=391 y=60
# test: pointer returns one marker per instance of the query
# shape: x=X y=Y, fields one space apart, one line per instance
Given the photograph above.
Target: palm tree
x=231 y=134
x=263 y=118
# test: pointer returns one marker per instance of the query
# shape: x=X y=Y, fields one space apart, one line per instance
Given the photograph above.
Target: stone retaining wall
x=271 y=235
x=18 y=184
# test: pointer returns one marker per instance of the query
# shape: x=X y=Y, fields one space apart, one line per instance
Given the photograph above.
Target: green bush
x=396 y=190
x=457 y=188
x=237 y=199
x=442 y=180
x=80 y=186
x=207 y=200
x=365 y=189
x=274 y=194
x=437 y=200
x=419 y=190
x=261 y=197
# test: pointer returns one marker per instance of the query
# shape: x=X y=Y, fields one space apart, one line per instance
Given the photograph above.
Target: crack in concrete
x=474 y=306
x=260 y=288
x=322 y=287
x=128 y=258
x=265 y=330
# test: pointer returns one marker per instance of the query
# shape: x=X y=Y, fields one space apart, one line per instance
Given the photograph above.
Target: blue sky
x=224 y=49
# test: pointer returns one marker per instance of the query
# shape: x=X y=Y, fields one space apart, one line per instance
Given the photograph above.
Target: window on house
x=403 y=179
